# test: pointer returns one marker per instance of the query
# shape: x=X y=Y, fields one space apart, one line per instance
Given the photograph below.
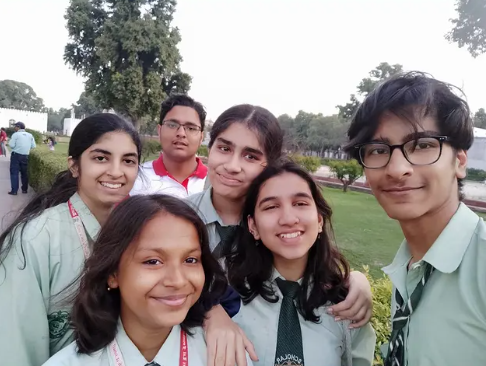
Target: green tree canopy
x=86 y=106
x=382 y=72
x=127 y=51
x=15 y=94
x=480 y=118
x=469 y=27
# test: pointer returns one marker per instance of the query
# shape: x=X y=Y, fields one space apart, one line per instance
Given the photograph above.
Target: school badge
x=58 y=324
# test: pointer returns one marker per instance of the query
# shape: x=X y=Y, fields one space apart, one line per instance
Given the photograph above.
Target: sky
x=285 y=55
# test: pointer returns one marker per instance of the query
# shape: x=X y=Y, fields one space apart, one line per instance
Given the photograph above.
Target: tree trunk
x=345 y=187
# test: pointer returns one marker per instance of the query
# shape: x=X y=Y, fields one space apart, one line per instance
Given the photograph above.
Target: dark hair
x=414 y=96
x=3 y=129
x=96 y=311
x=184 y=101
x=86 y=133
x=258 y=119
x=250 y=265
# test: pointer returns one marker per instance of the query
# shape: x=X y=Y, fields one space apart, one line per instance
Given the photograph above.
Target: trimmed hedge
x=43 y=167
x=309 y=163
x=381 y=289
x=38 y=137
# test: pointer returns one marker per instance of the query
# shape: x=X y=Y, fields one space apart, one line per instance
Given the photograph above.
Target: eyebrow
x=161 y=250
x=296 y=195
x=106 y=152
x=409 y=137
x=246 y=148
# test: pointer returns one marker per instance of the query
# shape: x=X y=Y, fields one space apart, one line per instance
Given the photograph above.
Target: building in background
x=33 y=120
x=476 y=156
x=69 y=124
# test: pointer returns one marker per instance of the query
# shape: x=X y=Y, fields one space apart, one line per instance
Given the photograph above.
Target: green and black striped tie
x=396 y=347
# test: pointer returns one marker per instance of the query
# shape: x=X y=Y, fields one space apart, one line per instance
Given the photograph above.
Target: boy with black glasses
x=411 y=135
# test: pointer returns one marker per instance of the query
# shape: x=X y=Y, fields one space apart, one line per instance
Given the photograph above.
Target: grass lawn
x=366 y=235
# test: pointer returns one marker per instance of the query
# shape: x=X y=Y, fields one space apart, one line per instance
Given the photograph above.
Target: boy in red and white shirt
x=177 y=172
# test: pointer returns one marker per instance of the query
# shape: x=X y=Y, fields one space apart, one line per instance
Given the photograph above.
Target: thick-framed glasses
x=418 y=151
x=189 y=127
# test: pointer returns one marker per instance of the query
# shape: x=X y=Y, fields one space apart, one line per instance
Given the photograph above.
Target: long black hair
x=86 y=133
x=96 y=311
x=250 y=266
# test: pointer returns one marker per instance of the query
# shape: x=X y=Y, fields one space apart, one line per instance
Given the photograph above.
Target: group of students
x=235 y=263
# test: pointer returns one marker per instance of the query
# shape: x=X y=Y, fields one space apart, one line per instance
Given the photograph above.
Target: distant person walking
x=21 y=143
x=3 y=141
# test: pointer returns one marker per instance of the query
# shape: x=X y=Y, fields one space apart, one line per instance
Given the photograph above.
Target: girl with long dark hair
x=145 y=289
x=45 y=248
x=288 y=271
x=243 y=140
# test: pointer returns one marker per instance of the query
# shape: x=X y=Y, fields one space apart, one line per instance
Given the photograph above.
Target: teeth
x=290 y=235
x=112 y=186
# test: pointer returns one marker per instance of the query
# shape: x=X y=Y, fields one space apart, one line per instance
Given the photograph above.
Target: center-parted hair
x=250 y=266
x=96 y=310
x=259 y=120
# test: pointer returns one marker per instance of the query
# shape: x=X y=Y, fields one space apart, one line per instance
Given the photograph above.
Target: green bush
x=150 y=147
x=347 y=171
x=43 y=167
x=327 y=161
x=309 y=163
x=381 y=289
x=476 y=175
x=38 y=137
x=203 y=151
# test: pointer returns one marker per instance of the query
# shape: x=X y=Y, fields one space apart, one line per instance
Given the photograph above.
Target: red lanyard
x=78 y=224
x=117 y=356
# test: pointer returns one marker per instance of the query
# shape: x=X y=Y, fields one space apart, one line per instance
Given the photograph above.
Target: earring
x=257 y=243
x=109 y=288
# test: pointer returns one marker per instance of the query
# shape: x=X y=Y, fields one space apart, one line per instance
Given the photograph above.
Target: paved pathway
x=10 y=206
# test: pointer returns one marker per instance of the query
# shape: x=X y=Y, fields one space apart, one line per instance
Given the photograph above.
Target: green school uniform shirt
x=448 y=327
x=34 y=321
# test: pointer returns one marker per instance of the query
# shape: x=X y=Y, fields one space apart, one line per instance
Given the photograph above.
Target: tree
x=346 y=171
x=15 y=94
x=85 y=106
x=382 y=72
x=127 y=51
x=55 y=119
x=480 y=118
x=469 y=28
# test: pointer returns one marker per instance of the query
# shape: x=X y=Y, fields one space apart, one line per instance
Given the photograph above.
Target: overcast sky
x=285 y=55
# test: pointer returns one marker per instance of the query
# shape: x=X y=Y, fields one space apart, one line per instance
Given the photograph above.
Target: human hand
x=358 y=305
x=227 y=344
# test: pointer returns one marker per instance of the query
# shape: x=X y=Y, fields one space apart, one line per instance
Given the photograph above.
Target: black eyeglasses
x=189 y=128
x=418 y=151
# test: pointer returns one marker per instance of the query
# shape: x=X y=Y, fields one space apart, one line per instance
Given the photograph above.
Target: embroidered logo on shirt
x=288 y=360
x=58 y=324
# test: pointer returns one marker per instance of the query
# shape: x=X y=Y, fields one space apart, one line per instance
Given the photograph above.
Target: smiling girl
x=243 y=140
x=44 y=250
x=287 y=271
x=145 y=289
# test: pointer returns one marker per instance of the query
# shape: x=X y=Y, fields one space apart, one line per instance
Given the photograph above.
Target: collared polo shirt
x=34 y=321
x=168 y=354
x=448 y=327
x=21 y=142
x=324 y=343
x=154 y=178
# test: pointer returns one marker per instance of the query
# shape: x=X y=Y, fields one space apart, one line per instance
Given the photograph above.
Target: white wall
x=69 y=125
x=33 y=120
